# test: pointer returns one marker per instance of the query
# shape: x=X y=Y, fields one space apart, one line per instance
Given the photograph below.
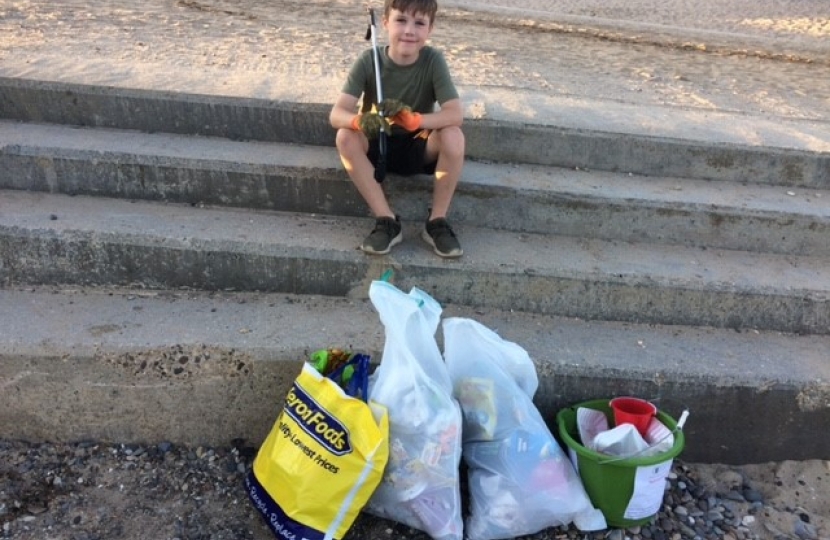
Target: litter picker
x=372 y=33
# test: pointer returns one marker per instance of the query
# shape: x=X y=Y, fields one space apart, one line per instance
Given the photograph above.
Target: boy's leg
x=352 y=147
x=447 y=145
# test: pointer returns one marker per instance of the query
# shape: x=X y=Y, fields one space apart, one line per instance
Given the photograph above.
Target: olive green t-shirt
x=420 y=85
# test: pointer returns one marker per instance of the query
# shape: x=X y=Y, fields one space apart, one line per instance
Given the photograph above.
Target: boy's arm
x=451 y=113
x=343 y=113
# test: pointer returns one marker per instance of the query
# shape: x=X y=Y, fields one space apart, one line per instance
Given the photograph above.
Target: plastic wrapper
x=520 y=479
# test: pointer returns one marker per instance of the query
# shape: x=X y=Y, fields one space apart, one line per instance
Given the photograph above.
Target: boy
x=422 y=140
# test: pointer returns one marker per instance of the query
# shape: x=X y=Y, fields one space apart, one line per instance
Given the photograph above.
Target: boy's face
x=408 y=33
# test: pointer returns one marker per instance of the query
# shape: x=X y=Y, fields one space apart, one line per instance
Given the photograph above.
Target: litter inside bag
x=420 y=486
x=520 y=479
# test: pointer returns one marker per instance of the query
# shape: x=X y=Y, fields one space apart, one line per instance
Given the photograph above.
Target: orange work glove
x=410 y=121
x=401 y=114
x=370 y=123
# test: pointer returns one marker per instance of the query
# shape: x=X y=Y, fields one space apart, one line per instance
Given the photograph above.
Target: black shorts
x=404 y=154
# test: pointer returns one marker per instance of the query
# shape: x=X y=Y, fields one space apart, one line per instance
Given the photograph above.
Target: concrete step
x=301 y=178
x=203 y=368
x=179 y=357
x=48 y=239
x=623 y=150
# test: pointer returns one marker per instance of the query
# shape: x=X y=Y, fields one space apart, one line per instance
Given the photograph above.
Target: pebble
x=56 y=482
x=805 y=531
x=752 y=495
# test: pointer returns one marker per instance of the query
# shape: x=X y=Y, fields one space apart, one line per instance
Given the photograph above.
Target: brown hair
x=427 y=7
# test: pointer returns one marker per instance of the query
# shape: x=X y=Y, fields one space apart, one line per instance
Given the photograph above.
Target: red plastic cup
x=631 y=410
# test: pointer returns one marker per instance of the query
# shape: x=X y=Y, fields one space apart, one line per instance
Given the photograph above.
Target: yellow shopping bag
x=321 y=462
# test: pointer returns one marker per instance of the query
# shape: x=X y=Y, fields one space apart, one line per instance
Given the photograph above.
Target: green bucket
x=628 y=491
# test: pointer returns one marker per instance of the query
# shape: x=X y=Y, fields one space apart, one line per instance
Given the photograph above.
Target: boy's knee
x=348 y=141
x=452 y=140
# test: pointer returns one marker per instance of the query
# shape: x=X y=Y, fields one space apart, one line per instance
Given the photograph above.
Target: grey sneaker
x=441 y=237
x=387 y=233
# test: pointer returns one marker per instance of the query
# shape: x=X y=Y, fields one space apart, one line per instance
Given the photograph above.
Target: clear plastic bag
x=520 y=479
x=420 y=486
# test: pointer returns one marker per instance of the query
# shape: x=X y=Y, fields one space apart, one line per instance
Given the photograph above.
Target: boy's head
x=421 y=7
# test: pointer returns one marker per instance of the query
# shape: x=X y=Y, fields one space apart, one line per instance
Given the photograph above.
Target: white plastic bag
x=520 y=479
x=420 y=486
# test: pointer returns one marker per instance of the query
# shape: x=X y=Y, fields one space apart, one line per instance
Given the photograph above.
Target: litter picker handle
x=375 y=55
x=380 y=167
